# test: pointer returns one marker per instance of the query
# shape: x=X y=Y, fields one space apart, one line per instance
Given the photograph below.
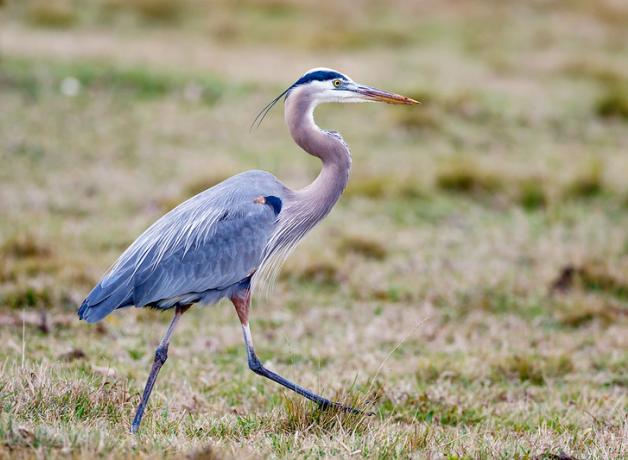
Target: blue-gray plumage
x=199 y=252
x=217 y=243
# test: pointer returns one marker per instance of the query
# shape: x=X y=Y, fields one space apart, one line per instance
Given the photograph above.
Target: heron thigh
x=241 y=300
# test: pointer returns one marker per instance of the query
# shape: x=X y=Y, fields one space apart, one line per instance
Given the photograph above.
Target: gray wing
x=210 y=242
x=212 y=261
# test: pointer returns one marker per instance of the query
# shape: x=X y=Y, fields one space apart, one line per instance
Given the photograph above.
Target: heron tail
x=105 y=298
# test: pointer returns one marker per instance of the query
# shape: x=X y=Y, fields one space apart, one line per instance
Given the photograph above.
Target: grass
x=56 y=14
x=533 y=369
x=614 y=103
x=362 y=246
x=460 y=176
x=469 y=288
x=72 y=78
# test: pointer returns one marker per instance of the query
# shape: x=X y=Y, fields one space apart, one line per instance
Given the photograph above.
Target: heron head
x=323 y=85
x=328 y=85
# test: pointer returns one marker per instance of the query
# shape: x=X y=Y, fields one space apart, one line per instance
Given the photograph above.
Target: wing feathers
x=209 y=242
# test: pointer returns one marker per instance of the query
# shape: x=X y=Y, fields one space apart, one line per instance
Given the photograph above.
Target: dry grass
x=365 y=247
x=470 y=288
x=614 y=103
x=463 y=177
x=54 y=14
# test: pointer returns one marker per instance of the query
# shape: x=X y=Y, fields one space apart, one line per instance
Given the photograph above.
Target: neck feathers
x=309 y=205
x=326 y=189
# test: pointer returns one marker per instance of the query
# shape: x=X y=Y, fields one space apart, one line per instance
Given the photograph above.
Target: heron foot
x=325 y=405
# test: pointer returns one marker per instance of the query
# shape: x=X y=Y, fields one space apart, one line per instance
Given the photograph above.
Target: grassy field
x=471 y=287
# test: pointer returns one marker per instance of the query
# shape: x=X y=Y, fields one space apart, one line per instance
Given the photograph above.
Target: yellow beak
x=378 y=95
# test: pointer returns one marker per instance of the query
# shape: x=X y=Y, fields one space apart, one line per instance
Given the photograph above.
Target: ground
x=470 y=288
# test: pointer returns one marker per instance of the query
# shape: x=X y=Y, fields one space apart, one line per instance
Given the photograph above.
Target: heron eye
x=336 y=83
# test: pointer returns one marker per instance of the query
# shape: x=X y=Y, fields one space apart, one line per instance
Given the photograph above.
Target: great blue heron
x=218 y=242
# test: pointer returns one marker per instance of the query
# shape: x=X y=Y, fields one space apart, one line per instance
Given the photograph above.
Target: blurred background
x=473 y=280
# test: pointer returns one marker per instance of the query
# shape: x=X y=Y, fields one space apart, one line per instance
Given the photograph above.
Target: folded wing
x=195 y=252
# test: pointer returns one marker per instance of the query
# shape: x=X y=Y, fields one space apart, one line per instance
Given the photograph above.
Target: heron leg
x=161 y=354
x=241 y=301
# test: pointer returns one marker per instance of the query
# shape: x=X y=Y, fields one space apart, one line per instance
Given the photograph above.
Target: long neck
x=321 y=195
x=307 y=206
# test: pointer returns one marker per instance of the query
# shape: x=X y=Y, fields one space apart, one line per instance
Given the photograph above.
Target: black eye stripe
x=320 y=75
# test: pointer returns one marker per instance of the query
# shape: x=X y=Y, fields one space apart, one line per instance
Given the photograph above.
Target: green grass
x=470 y=287
x=73 y=77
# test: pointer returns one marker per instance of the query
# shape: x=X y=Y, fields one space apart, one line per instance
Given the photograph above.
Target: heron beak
x=378 y=95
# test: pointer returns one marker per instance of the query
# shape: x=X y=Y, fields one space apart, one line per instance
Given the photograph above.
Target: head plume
x=315 y=74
